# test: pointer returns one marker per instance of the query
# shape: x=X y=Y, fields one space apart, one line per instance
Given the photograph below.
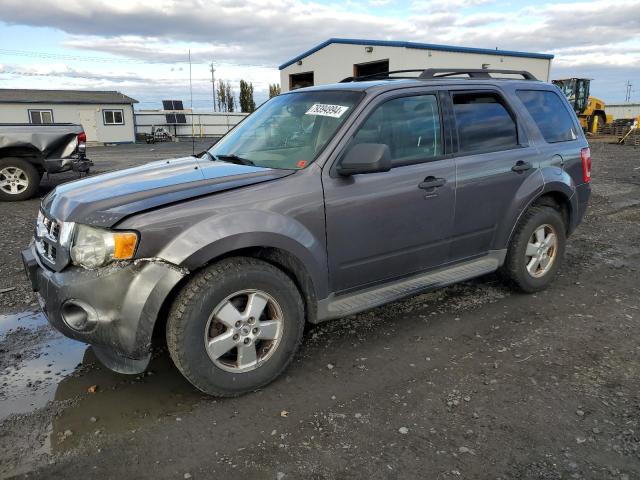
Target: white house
x=107 y=116
x=338 y=58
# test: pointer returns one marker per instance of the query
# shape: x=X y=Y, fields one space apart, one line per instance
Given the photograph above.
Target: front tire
x=537 y=250
x=19 y=179
x=235 y=326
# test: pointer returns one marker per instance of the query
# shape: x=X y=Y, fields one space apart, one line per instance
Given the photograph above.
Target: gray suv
x=325 y=202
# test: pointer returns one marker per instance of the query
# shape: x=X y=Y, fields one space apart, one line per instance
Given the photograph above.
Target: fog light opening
x=79 y=316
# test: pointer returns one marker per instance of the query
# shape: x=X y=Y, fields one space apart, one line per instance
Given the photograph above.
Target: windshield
x=568 y=87
x=288 y=131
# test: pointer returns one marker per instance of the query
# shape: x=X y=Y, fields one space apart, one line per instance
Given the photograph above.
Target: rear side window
x=409 y=126
x=550 y=114
x=484 y=123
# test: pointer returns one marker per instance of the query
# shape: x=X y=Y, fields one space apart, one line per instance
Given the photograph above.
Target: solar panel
x=174 y=118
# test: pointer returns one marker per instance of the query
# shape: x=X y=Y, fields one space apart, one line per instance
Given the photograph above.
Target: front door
x=382 y=226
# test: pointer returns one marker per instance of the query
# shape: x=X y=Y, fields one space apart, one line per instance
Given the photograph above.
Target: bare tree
x=230 y=97
x=274 y=90
x=221 y=93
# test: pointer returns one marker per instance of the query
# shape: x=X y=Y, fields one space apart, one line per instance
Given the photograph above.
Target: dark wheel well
x=557 y=201
x=279 y=258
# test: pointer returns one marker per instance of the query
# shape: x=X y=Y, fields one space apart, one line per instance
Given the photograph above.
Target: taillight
x=585 y=155
x=82 y=137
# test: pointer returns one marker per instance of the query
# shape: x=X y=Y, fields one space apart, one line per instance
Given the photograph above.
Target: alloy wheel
x=243 y=331
x=13 y=180
x=541 y=251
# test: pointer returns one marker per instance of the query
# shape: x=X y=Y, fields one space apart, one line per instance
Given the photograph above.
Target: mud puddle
x=43 y=371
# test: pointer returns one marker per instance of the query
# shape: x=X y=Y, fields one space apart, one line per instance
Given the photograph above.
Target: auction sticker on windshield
x=325 y=110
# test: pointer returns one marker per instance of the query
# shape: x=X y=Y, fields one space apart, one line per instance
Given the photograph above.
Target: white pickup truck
x=28 y=151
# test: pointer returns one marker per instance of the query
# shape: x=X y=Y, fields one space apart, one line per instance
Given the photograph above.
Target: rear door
x=382 y=226
x=493 y=159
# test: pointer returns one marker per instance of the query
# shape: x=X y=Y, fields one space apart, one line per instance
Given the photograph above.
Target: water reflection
x=39 y=365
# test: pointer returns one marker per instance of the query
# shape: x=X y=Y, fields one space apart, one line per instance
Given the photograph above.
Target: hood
x=103 y=200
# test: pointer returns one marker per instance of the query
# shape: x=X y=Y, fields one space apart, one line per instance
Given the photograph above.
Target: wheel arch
x=558 y=199
x=552 y=187
x=280 y=258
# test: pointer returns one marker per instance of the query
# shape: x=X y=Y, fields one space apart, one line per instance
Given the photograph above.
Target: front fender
x=221 y=234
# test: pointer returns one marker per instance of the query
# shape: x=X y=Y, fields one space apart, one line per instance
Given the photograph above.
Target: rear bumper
x=57 y=165
x=582 y=195
x=123 y=301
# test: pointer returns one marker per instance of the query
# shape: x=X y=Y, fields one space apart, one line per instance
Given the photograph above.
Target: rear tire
x=19 y=179
x=235 y=326
x=536 y=250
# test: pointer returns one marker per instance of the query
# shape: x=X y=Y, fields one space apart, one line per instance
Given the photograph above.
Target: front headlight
x=94 y=247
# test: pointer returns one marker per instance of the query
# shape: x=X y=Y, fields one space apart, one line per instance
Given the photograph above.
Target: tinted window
x=409 y=126
x=550 y=114
x=483 y=123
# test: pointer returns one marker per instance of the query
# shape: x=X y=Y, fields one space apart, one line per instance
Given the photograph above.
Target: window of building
x=484 y=123
x=300 y=80
x=113 y=117
x=41 y=116
x=409 y=126
x=550 y=114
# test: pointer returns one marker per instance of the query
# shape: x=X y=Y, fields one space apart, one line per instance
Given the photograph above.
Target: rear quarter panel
x=559 y=166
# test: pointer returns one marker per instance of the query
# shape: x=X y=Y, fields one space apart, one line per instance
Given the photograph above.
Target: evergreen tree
x=247 y=104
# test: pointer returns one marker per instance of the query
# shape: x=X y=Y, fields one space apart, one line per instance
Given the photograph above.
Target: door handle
x=521 y=166
x=432 y=182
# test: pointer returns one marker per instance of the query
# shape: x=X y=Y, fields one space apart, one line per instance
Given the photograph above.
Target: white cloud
x=256 y=33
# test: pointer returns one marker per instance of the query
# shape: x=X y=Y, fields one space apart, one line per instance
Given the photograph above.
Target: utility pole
x=627 y=97
x=213 y=85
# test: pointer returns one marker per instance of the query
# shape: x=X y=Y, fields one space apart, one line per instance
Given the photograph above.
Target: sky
x=140 y=47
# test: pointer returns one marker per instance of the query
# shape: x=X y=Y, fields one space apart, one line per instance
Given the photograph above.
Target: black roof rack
x=436 y=73
x=474 y=73
x=380 y=75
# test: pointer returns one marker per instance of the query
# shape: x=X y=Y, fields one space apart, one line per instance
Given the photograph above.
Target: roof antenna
x=193 y=136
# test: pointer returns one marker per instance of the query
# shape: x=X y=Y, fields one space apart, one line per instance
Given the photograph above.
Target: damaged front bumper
x=113 y=308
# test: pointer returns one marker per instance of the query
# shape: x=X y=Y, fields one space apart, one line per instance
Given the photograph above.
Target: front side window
x=409 y=126
x=113 y=117
x=41 y=116
x=289 y=131
x=550 y=114
x=484 y=123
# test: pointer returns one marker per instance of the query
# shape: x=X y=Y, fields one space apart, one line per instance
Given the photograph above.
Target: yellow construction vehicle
x=590 y=110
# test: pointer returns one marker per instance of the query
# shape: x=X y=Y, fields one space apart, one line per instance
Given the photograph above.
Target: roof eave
x=415 y=45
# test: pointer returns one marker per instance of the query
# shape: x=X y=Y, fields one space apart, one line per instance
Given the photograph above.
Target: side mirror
x=365 y=158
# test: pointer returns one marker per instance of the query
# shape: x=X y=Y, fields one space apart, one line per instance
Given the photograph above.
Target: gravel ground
x=472 y=381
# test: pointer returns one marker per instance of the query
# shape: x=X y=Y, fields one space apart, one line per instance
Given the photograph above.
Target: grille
x=47 y=240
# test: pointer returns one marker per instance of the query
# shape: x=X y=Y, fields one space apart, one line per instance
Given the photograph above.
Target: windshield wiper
x=233 y=158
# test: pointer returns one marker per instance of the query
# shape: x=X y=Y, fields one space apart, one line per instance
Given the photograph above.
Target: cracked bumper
x=126 y=301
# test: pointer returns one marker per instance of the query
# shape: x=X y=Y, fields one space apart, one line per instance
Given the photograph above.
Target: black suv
x=325 y=202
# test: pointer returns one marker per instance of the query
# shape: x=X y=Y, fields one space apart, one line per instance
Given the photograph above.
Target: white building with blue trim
x=338 y=58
